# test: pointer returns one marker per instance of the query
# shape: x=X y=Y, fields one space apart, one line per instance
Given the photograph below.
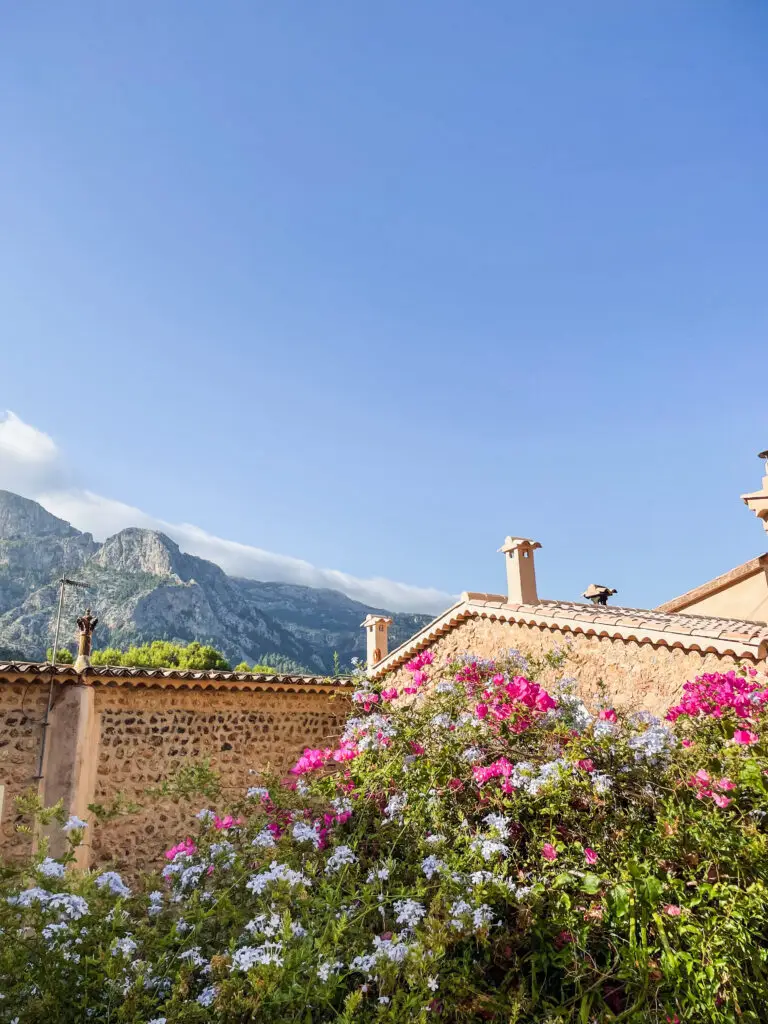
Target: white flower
x=341 y=855
x=445 y=687
x=384 y=1000
x=499 y=824
x=51 y=868
x=298 y=930
x=488 y=848
x=72 y=823
x=432 y=984
x=158 y=1020
x=434 y=839
x=471 y=754
x=193 y=956
x=601 y=782
x=112 y=881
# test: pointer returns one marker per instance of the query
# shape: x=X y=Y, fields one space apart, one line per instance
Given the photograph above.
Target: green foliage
x=63 y=656
x=469 y=853
x=163 y=654
x=193 y=779
x=264 y=670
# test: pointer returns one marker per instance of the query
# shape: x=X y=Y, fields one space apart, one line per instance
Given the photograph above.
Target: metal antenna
x=63 y=583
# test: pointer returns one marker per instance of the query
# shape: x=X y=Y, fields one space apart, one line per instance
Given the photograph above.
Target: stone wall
x=633 y=674
x=22 y=708
x=145 y=735
x=106 y=741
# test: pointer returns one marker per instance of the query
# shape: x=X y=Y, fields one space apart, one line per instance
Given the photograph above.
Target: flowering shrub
x=484 y=851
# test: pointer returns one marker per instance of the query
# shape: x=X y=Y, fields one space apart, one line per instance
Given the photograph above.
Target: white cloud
x=31 y=464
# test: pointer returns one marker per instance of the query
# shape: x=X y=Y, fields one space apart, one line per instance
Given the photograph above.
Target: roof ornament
x=598 y=594
x=85 y=625
x=758 y=500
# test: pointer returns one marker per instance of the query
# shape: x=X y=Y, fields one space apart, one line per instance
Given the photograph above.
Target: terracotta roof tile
x=106 y=675
x=739 y=637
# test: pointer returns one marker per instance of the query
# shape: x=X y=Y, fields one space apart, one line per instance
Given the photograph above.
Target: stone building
x=639 y=656
x=123 y=731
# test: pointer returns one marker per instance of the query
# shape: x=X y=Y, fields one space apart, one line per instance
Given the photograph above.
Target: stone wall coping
x=177 y=679
x=739 y=638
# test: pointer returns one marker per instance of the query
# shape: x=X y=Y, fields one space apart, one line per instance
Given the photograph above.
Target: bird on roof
x=598 y=594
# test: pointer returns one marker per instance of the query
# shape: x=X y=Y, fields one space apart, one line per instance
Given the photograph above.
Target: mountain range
x=143 y=587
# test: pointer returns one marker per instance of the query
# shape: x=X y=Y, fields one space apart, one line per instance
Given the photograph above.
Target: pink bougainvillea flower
x=672 y=910
x=186 y=846
x=455 y=785
x=702 y=776
x=416 y=748
x=409 y=689
x=590 y=855
x=725 y=785
x=586 y=764
x=482 y=710
x=548 y=852
x=390 y=694
x=227 y=822
x=608 y=715
x=687 y=743
x=745 y=737
x=720 y=800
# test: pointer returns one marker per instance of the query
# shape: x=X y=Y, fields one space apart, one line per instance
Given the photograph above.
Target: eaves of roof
x=737 y=637
x=719 y=583
x=175 y=679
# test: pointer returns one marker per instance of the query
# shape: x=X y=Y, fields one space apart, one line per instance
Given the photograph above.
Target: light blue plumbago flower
x=432 y=866
x=111 y=880
x=51 y=868
x=489 y=848
x=158 y=1020
x=326 y=968
x=472 y=754
x=601 y=782
x=257 y=792
x=655 y=742
x=72 y=823
x=264 y=839
x=304 y=833
x=341 y=855
x=435 y=839
x=193 y=956
x=208 y=995
x=394 y=809
x=499 y=824
x=248 y=956
x=409 y=912
x=276 y=873
x=433 y=984
x=604 y=728
x=155 y=903
x=124 y=947
x=205 y=815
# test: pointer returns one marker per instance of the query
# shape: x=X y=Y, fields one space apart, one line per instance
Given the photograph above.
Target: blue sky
x=373 y=285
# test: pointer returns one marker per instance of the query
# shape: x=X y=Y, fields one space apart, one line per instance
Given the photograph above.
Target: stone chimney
x=376 y=629
x=758 y=500
x=521 y=573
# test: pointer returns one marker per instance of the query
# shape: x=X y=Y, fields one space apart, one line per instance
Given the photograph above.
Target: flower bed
x=489 y=852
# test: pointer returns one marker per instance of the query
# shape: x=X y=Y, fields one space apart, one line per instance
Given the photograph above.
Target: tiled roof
x=736 y=637
x=741 y=572
x=166 y=678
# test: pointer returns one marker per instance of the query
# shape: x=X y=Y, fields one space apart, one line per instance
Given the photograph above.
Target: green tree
x=263 y=670
x=163 y=654
x=63 y=656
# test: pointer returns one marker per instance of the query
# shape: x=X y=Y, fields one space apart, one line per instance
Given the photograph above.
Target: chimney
x=758 y=500
x=376 y=628
x=521 y=574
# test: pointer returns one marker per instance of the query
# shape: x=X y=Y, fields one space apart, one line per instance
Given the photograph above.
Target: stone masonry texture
x=629 y=673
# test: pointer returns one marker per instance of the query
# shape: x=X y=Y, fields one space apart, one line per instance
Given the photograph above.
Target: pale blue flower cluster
x=395 y=807
x=326 y=968
x=72 y=823
x=409 y=912
x=304 y=833
x=657 y=741
x=124 y=947
x=51 y=868
x=249 y=956
x=65 y=904
x=111 y=880
x=341 y=855
x=264 y=839
x=276 y=873
x=432 y=866
x=208 y=995
x=257 y=792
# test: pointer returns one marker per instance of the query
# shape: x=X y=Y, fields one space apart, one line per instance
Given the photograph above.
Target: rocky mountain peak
x=137 y=550
x=21 y=517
